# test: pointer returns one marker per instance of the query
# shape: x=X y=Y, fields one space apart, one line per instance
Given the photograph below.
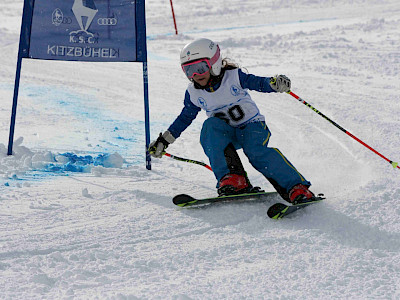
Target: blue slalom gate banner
x=101 y=30
x=84 y=30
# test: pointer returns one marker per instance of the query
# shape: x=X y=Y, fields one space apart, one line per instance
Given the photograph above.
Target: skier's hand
x=157 y=148
x=280 y=84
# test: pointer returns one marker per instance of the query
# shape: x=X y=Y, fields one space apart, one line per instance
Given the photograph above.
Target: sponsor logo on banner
x=107 y=21
x=57 y=17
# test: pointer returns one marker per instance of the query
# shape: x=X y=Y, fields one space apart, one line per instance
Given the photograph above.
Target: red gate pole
x=173 y=16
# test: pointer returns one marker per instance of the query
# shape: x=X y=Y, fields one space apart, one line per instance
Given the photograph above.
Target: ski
x=279 y=210
x=184 y=200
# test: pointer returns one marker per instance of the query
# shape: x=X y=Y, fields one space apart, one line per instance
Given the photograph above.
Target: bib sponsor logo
x=202 y=103
x=235 y=90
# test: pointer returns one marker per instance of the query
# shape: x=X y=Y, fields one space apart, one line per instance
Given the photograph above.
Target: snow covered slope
x=81 y=217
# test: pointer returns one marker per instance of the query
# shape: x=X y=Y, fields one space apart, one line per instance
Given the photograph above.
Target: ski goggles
x=200 y=66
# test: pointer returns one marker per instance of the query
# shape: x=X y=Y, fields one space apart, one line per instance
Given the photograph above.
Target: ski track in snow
x=81 y=217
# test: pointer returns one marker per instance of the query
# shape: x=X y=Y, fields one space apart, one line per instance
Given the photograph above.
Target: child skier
x=234 y=122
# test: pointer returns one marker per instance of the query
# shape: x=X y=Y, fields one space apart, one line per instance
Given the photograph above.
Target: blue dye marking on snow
x=6 y=86
x=72 y=162
x=66 y=163
x=126 y=139
x=115 y=132
x=152 y=56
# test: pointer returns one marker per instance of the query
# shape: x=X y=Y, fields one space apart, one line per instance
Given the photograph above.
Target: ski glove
x=280 y=84
x=157 y=148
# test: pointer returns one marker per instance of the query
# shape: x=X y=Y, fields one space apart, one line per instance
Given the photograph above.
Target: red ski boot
x=232 y=184
x=300 y=193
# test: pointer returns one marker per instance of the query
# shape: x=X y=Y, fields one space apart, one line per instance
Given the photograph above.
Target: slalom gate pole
x=394 y=164
x=173 y=16
x=188 y=160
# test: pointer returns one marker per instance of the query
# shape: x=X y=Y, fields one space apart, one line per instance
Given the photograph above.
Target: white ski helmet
x=203 y=48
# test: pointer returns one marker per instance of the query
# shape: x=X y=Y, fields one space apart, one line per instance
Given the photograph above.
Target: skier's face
x=202 y=79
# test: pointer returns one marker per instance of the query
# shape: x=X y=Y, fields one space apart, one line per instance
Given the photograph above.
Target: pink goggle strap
x=197 y=61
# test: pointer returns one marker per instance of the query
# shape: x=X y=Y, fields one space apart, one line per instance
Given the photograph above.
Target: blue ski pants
x=253 y=138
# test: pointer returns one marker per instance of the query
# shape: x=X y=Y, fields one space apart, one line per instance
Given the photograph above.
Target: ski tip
x=183 y=200
x=277 y=210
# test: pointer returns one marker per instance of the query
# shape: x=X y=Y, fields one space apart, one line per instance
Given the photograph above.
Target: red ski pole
x=394 y=164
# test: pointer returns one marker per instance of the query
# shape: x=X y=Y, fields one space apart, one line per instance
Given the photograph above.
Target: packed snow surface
x=82 y=218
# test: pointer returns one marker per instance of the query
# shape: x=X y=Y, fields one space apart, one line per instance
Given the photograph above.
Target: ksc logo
x=83 y=12
x=84 y=15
